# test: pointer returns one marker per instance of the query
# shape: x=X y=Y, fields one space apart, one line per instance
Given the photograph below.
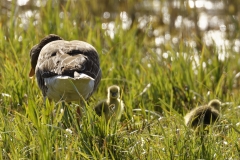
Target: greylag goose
x=113 y=106
x=203 y=115
x=65 y=70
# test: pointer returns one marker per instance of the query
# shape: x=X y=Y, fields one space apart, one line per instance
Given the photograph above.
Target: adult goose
x=113 y=106
x=65 y=70
x=203 y=115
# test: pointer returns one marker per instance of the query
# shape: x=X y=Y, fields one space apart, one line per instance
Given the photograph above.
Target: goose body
x=113 y=106
x=65 y=70
x=203 y=115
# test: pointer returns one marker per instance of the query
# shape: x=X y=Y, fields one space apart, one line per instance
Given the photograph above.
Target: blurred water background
x=197 y=22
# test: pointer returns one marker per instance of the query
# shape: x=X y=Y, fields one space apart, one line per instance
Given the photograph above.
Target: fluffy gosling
x=203 y=115
x=113 y=106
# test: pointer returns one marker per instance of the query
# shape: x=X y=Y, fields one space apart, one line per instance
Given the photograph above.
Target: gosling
x=203 y=115
x=113 y=106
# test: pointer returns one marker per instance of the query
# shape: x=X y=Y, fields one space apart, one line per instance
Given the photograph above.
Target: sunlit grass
x=166 y=86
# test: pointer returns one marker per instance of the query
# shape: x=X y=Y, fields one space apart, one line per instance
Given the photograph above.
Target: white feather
x=68 y=88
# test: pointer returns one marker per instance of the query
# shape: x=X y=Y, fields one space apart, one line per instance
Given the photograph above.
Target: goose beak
x=31 y=73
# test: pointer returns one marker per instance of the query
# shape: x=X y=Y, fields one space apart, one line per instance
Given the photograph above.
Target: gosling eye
x=114 y=94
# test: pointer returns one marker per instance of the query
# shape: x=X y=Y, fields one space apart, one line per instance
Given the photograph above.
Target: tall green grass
x=169 y=87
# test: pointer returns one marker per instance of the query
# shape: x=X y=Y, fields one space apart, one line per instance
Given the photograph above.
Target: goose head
x=35 y=51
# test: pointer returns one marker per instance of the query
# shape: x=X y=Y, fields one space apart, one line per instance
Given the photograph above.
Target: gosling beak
x=114 y=94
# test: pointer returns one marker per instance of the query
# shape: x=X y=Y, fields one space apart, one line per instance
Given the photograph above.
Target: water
x=161 y=20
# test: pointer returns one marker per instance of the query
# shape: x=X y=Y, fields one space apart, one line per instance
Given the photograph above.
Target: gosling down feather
x=65 y=70
x=113 y=106
x=204 y=115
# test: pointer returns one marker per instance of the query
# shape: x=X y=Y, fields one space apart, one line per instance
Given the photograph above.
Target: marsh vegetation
x=167 y=57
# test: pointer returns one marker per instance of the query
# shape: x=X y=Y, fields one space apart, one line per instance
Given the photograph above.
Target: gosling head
x=113 y=92
x=215 y=103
